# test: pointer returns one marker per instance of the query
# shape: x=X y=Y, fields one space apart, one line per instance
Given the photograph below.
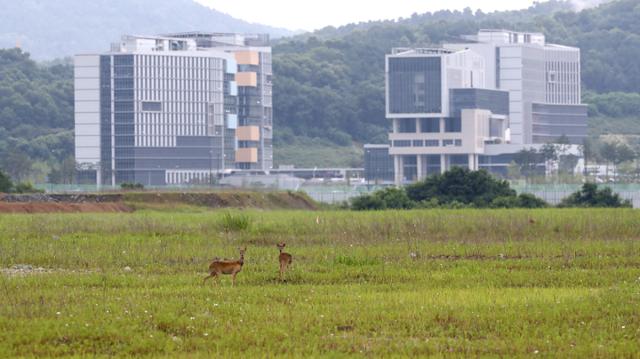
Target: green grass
x=312 y=154
x=437 y=282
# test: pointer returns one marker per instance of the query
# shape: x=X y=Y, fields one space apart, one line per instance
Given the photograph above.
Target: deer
x=224 y=266
x=285 y=259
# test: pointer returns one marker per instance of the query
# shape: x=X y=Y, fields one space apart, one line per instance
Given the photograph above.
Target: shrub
x=478 y=188
x=26 y=187
x=524 y=200
x=505 y=202
x=395 y=198
x=235 y=222
x=131 y=186
x=590 y=196
x=527 y=200
x=367 y=202
x=388 y=198
x=6 y=185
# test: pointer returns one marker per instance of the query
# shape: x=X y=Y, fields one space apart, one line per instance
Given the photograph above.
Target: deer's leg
x=233 y=279
x=211 y=275
x=281 y=270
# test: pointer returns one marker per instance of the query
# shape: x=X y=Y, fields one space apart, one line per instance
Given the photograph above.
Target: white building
x=155 y=110
x=442 y=116
x=477 y=104
x=543 y=81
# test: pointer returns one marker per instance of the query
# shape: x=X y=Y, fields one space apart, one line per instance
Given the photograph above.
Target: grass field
x=561 y=283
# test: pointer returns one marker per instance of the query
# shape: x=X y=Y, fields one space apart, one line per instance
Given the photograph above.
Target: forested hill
x=58 y=28
x=331 y=83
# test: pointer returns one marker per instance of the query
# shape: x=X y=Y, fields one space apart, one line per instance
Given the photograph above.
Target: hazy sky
x=315 y=14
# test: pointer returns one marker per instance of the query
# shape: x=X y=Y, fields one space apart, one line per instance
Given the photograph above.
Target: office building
x=378 y=165
x=441 y=115
x=254 y=78
x=543 y=81
x=160 y=110
x=478 y=103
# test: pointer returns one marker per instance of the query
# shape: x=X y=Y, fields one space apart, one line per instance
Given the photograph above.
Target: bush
x=6 y=185
x=367 y=202
x=455 y=189
x=388 y=198
x=590 y=196
x=26 y=187
x=131 y=186
x=477 y=188
x=235 y=222
x=524 y=200
x=527 y=200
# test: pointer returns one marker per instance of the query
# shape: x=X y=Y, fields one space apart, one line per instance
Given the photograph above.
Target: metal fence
x=552 y=197
x=553 y=194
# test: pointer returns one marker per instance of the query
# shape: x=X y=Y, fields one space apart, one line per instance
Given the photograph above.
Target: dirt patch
x=230 y=199
x=57 y=207
x=129 y=201
x=22 y=270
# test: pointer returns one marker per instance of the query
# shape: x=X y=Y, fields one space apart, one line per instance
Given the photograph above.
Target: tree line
x=462 y=188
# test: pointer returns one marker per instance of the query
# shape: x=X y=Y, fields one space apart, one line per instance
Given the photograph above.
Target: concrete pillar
x=419 y=169
x=397 y=164
x=473 y=163
x=443 y=163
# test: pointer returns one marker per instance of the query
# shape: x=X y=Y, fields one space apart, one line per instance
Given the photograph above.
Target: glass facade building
x=158 y=116
x=378 y=165
x=255 y=92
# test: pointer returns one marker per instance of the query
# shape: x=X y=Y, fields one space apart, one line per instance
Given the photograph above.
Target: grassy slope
x=318 y=155
x=481 y=282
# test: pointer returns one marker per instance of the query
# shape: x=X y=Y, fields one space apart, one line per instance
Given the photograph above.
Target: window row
x=428 y=125
x=427 y=143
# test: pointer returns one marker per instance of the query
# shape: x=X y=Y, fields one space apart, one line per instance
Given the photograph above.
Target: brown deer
x=219 y=267
x=285 y=259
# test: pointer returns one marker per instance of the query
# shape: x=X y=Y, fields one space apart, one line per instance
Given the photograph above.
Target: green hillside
x=335 y=76
x=329 y=85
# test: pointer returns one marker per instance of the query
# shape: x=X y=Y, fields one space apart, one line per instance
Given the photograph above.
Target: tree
x=549 y=153
x=461 y=185
x=388 y=198
x=6 y=185
x=589 y=151
x=590 y=196
x=18 y=164
x=528 y=162
x=624 y=153
x=608 y=152
x=616 y=153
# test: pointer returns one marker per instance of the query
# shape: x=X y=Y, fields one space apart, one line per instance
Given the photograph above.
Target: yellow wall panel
x=247 y=155
x=247 y=79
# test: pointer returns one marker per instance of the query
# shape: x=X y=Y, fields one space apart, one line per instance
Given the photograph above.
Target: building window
x=406 y=125
x=429 y=125
x=410 y=168
x=402 y=143
x=446 y=143
x=149 y=106
x=432 y=143
x=458 y=143
x=459 y=161
x=453 y=125
x=414 y=85
x=418 y=143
